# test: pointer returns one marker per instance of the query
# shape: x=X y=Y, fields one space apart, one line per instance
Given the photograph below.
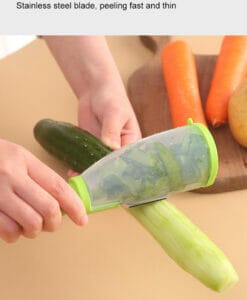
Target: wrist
x=85 y=61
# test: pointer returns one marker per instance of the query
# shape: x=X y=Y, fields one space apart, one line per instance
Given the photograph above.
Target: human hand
x=105 y=111
x=31 y=195
x=104 y=108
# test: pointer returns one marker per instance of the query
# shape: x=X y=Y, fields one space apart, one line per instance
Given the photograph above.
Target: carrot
x=230 y=69
x=180 y=77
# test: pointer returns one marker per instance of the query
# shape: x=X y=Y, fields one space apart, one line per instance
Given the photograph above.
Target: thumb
x=111 y=131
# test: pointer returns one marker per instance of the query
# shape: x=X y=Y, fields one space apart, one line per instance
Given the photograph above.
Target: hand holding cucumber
x=109 y=116
x=103 y=108
x=31 y=195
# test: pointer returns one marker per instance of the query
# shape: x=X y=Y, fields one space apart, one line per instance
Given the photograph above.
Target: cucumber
x=76 y=148
x=183 y=241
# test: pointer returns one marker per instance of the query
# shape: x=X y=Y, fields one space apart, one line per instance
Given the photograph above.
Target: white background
x=190 y=17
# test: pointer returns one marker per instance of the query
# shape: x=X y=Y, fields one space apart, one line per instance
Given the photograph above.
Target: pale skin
x=31 y=194
x=103 y=106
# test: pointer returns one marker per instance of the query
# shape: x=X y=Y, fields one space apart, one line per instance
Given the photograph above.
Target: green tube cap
x=213 y=153
x=79 y=185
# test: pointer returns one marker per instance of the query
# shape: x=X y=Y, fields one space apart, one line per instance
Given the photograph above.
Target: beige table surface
x=112 y=258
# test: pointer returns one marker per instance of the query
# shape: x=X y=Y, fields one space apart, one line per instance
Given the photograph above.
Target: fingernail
x=71 y=173
x=112 y=144
x=83 y=220
x=115 y=146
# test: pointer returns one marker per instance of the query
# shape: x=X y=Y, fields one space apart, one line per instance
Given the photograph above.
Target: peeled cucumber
x=183 y=241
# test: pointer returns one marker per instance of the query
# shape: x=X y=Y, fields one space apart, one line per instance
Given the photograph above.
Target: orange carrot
x=180 y=76
x=230 y=69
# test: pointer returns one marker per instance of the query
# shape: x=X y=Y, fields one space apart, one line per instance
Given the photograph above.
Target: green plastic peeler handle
x=79 y=185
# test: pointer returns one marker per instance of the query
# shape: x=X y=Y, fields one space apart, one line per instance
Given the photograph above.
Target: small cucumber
x=77 y=148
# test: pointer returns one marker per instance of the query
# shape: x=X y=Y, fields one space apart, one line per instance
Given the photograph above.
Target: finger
x=21 y=213
x=58 y=188
x=111 y=130
x=10 y=231
x=87 y=119
x=131 y=133
x=42 y=202
x=72 y=173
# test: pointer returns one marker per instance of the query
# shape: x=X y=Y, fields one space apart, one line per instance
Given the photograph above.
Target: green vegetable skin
x=76 y=148
x=172 y=161
x=183 y=241
x=136 y=176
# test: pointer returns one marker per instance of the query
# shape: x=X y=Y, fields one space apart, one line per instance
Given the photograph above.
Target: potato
x=237 y=114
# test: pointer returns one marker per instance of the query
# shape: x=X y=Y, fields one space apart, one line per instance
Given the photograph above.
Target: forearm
x=103 y=107
x=85 y=61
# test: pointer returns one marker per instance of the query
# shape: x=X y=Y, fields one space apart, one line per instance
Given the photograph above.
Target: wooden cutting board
x=148 y=96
